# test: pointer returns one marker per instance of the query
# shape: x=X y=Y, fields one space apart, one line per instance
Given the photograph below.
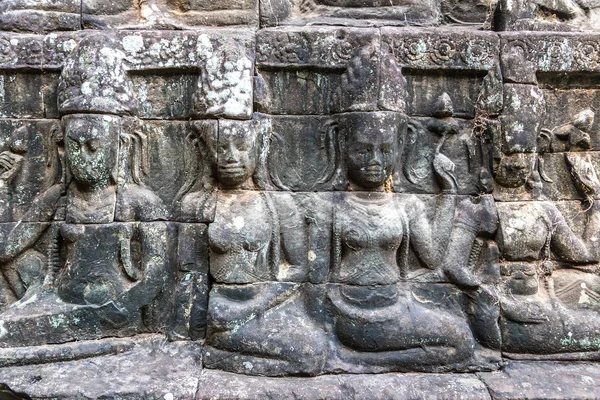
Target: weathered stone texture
x=299 y=198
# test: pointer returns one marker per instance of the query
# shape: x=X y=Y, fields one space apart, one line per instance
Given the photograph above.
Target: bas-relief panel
x=377 y=13
x=71 y=15
x=305 y=200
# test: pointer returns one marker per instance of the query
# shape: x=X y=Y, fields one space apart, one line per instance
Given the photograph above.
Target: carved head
x=371 y=147
x=95 y=96
x=521 y=278
x=92 y=147
x=514 y=169
x=236 y=154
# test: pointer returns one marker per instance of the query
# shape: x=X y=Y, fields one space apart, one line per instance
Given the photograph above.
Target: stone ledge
x=152 y=368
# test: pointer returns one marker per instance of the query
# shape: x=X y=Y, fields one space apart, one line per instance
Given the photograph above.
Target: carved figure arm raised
x=293 y=240
x=429 y=239
x=152 y=236
x=565 y=244
x=25 y=234
x=473 y=217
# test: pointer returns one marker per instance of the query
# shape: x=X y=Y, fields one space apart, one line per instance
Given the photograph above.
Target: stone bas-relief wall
x=301 y=188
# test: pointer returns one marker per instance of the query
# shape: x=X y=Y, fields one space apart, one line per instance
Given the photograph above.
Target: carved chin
x=524 y=287
x=369 y=179
x=233 y=177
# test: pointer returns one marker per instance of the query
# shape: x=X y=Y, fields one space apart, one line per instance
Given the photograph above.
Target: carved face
x=521 y=279
x=236 y=155
x=91 y=147
x=371 y=155
x=514 y=170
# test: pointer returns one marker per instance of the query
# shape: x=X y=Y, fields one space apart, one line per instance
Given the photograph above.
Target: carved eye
x=93 y=145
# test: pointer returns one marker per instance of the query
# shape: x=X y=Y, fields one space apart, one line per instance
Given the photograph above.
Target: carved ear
x=541 y=170
x=330 y=142
x=544 y=141
x=276 y=143
x=416 y=165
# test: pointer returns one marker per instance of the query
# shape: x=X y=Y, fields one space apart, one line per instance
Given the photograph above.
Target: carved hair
x=133 y=145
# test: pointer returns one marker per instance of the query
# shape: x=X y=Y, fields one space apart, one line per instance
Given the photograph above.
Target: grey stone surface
x=295 y=188
x=548 y=380
x=161 y=369
x=389 y=386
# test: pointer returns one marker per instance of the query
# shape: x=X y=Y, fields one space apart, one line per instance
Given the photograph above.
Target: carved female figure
x=377 y=316
x=539 y=316
x=257 y=260
x=102 y=265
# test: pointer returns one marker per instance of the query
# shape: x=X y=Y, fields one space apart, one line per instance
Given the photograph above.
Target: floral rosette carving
x=556 y=53
x=284 y=48
x=444 y=51
x=31 y=51
x=5 y=50
x=342 y=51
x=476 y=52
x=410 y=50
x=587 y=54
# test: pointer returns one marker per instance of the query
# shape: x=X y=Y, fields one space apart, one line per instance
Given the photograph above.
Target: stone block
x=547 y=16
x=40 y=17
x=21 y=51
x=224 y=385
x=543 y=379
x=522 y=116
x=188 y=301
x=73 y=299
x=348 y=12
x=173 y=369
x=522 y=177
x=31 y=165
x=460 y=144
x=304 y=153
x=327 y=69
x=21 y=95
x=169 y=14
x=442 y=48
x=186 y=166
x=570 y=121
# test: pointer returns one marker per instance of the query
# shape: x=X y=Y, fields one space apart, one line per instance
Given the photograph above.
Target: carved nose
x=231 y=155
x=374 y=159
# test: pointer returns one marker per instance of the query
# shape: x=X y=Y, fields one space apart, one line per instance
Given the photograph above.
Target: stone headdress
x=94 y=79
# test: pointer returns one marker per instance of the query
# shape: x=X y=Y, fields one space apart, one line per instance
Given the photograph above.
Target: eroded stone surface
x=353 y=188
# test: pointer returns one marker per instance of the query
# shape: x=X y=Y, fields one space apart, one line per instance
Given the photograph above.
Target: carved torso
x=239 y=238
x=94 y=271
x=371 y=231
x=524 y=231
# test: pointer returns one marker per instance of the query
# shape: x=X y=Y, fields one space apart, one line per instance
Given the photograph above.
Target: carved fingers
x=584 y=175
x=10 y=165
x=444 y=170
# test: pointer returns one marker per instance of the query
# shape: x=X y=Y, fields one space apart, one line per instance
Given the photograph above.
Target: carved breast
x=239 y=239
x=370 y=233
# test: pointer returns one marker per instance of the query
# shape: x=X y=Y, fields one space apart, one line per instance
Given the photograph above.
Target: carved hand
x=584 y=175
x=444 y=170
x=481 y=215
x=10 y=165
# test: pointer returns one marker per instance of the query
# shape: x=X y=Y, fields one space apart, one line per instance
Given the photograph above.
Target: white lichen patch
x=239 y=223
x=133 y=44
